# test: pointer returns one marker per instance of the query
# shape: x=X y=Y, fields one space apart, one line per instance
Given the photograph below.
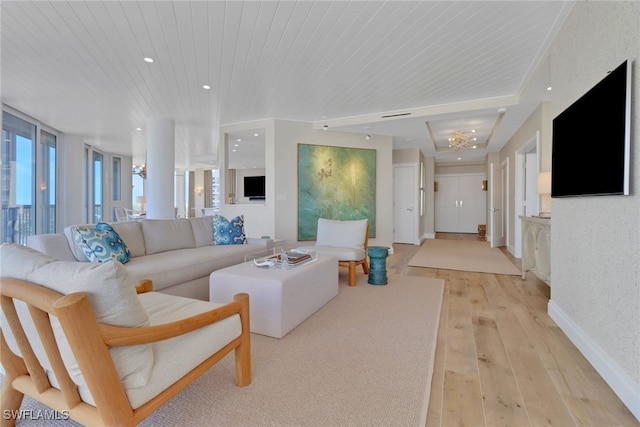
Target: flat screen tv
x=591 y=140
x=254 y=187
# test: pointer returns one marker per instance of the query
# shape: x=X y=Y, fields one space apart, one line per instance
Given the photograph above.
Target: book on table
x=292 y=257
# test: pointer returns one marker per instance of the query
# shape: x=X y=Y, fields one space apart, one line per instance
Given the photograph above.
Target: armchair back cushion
x=343 y=234
x=112 y=296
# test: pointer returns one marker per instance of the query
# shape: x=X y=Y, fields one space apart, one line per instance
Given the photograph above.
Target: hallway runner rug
x=463 y=255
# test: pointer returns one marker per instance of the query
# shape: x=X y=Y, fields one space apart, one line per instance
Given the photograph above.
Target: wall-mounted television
x=254 y=187
x=591 y=140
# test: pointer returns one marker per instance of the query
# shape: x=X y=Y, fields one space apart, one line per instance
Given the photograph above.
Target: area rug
x=463 y=255
x=364 y=359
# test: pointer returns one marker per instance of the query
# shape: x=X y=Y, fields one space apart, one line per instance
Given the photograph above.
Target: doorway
x=526 y=198
x=405 y=203
x=460 y=203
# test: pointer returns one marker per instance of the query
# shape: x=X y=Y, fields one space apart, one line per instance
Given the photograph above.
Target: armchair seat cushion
x=341 y=254
x=174 y=358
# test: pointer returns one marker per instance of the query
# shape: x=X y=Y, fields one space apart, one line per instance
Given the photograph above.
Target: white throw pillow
x=111 y=293
x=344 y=234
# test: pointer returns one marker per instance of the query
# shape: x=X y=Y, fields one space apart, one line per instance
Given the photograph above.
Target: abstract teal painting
x=335 y=183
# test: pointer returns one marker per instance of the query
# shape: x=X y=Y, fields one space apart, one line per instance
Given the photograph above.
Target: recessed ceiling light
x=149 y=60
x=459 y=158
x=138 y=129
x=206 y=87
x=549 y=88
x=256 y=134
x=239 y=140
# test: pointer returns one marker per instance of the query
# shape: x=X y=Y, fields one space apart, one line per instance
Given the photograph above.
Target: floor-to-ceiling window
x=47 y=187
x=97 y=166
x=93 y=186
x=28 y=179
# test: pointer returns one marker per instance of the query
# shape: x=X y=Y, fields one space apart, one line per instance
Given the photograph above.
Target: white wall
x=71 y=175
x=595 y=241
x=539 y=121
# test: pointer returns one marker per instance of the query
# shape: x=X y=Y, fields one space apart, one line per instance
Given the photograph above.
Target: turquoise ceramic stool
x=378 y=265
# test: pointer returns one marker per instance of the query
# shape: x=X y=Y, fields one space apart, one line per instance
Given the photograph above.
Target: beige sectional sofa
x=178 y=255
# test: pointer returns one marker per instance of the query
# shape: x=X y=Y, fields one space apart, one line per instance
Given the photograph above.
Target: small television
x=254 y=187
x=591 y=140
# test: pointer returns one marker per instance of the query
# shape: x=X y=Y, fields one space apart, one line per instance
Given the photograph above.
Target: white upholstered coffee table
x=279 y=300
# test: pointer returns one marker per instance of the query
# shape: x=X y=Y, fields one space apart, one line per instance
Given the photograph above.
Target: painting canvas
x=335 y=183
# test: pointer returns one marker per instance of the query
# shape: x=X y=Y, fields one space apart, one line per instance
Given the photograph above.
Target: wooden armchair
x=345 y=240
x=96 y=394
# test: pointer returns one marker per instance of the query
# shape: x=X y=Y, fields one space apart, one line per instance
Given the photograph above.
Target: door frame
x=416 y=211
x=520 y=182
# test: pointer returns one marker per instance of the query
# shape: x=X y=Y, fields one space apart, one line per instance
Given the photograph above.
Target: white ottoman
x=279 y=300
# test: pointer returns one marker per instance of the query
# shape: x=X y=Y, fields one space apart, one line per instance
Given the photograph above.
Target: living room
x=595 y=240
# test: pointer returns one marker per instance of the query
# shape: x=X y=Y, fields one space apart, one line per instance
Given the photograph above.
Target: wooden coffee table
x=279 y=299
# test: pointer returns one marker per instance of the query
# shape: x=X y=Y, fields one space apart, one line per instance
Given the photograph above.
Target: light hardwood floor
x=502 y=361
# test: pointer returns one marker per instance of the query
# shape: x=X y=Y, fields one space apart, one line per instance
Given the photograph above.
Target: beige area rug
x=463 y=255
x=364 y=359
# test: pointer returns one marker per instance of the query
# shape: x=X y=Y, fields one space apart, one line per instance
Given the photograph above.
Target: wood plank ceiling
x=78 y=66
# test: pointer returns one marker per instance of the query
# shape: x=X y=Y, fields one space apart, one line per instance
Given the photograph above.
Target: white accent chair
x=120 y=214
x=345 y=240
x=76 y=337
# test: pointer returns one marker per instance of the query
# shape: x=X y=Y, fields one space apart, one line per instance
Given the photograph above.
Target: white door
x=530 y=181
x=460 y=203
x=446 y=204
x=405 y=212
x=496 y=205
x=472 y=205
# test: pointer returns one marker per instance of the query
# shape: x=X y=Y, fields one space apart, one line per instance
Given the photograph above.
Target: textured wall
x=595 y=242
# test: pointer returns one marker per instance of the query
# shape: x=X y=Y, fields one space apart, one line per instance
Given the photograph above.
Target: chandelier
x=141 y=171
x=461 y=141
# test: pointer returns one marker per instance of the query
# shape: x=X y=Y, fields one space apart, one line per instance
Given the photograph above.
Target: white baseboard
x=626 y=388
x=427 y=236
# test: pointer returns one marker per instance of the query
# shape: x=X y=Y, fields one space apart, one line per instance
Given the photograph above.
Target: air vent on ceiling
x=395 y=115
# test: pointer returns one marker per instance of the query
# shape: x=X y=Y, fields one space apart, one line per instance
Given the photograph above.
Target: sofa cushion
x=169 y=268
x=131 y=233
x=346 y=234
x=54 y=245
x=69 y=233
x=111 y=293
x=101 y=243
x=202 y=228
x=228 y=232
x=161 y=235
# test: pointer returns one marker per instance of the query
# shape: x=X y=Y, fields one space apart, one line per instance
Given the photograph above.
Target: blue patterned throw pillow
x=101 y=243
x=228 y=232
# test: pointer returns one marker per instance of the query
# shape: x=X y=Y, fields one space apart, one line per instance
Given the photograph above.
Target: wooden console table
x=536 y=247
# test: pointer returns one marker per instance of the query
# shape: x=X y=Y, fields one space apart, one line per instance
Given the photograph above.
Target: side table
x=378 y=265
